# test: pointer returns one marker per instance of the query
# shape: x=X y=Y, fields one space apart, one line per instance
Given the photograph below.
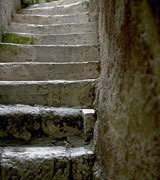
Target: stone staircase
x=49 y=65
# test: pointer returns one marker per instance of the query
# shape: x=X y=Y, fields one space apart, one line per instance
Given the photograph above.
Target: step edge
x=49 y=63
x=3 y=83
x=47 y=16
x=49 y=46
x=42 y=151
x=53 y=7
x=52 y=2
x=52 y=25
x=43 y=35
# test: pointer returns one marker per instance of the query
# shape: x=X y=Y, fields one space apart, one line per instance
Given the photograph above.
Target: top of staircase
x=56 y=3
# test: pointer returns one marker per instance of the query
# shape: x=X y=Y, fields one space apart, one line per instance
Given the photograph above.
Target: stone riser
x=48 y=53
x=40 y=123
x=54 y=29
x=57 y=19
x=66 y=39
x=48 y=93
x=46 y=163
x=75 y=8
x=22 y=122
x=48 y=71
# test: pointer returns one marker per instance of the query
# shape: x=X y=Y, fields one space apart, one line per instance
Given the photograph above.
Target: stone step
x=56 y=93
x=26 y=123
x=48 y=53
x=48 y=19
x=54 y=3
x=33 y=2
x=47 y=163
x=48 y=39
x=54 y=29
x=79 y=7
x=34 y=71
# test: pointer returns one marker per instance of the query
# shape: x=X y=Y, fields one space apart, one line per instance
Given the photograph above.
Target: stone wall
x=93 y=10
x=129 y=98
x=7 y=8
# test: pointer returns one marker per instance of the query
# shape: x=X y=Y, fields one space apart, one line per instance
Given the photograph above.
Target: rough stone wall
x=129 y=98
x=93 y=10
x=7 y=8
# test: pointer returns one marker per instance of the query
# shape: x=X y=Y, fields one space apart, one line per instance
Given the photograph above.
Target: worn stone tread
x=79 y=93
x=36 y=71
x=54 y=3
x=10 y=52
x=46 y=163
x=65 y=28
x=24 y=122
x=78 y=7
x=50 y=19
x=54 y=39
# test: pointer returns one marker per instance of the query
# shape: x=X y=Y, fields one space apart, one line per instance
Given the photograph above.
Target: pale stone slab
x=48 y=53
x=78 y=93
x=34 y=71
x=48 y=19
x=51 y=39
x=54 y=29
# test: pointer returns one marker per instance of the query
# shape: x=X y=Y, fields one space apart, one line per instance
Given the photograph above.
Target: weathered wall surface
x=129 y=99
x=7 y=8
x=93 y=10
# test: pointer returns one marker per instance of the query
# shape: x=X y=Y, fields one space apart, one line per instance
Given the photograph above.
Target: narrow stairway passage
x=49 y=68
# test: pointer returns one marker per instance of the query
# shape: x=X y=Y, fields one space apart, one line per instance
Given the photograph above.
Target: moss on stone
x=47 y=1
x=37 y=1
x=30 y=2
x=12 y=50
x=14 y=38
x=1 y=35
x=2 y=30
